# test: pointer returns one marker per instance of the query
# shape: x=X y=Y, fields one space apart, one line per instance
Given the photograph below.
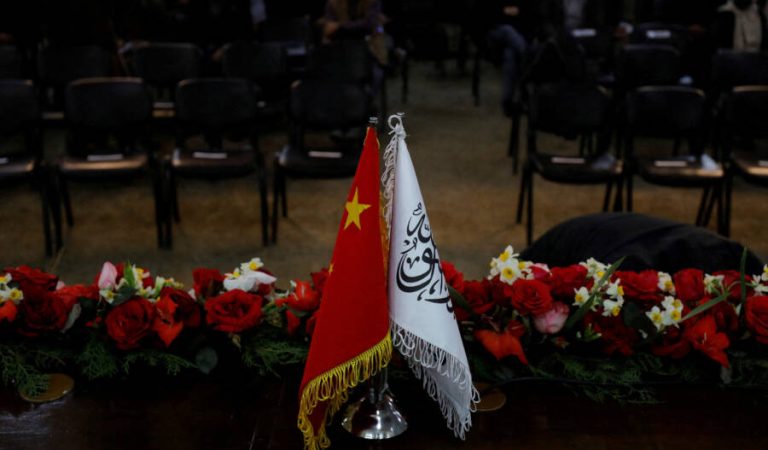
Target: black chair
x=676 y=113
x=217 y=109
x=162 y=66
x=20 y=116
x=58 y=66
x=295 y=35
x=265 y=64
x=338 y=110
x=107 y=119
x=596 y=46
x=572 y=111
x=647 y=65
x=732 y=68
x=657 y=33
x=11 y=62
x=745 y=122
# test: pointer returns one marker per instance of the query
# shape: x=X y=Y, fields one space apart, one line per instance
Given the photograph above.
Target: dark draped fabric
x=646 y=242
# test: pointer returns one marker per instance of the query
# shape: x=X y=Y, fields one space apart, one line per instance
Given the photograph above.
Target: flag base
x=375 y=415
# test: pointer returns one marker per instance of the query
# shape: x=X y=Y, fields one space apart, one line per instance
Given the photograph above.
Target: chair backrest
x=165 y=64
x=648 y=65
x=10 y=62
x=215 y=105
x=19 y=108
x=345 y=60
x=734 y=68
x=264 y=63
x=665 y=111
x=293 y=29
x=746 y=112
x=659 y=34
x=595 y=43
x=328 y=104
x=568 y=109
x=58 y=66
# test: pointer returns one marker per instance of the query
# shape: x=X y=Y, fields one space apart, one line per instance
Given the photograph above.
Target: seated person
x=645 y=242
x=741 y=25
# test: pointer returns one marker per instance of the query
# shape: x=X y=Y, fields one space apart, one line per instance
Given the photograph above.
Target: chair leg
x=521 y=195
x=607 y=199
x=725 y=225
x=157 y=190
x=714 y=198
x=629 y=193
x=264 y=209
x=404 y=78
x=514 y=142
x=276 y=192
x=476 y=78
x=64 y=190
x=54 y=203
x=174 y=196
x=43 y=190
x=700 y=212
x=529 y=222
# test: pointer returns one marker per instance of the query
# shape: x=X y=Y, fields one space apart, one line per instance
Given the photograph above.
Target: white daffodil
x=249 y=281
x=615 y=290
x=107 y=294
x=764 y=275
x=251 y=266
x=16 y=295
x=666 y=284
x=595 y=268
x=760 y=288
x=5 y=279
x=612 y=307
x=581 y=295
x=503 y=260
x=673 y=311
x=713 y=283
x=508 y=273
x=657 y=317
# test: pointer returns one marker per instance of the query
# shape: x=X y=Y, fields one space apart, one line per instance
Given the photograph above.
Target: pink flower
x=552 y=321
x=107 y=276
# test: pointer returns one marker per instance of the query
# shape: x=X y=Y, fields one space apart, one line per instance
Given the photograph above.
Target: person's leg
x=512 y=45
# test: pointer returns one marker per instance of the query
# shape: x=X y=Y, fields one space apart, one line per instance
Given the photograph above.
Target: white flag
x=423 y=325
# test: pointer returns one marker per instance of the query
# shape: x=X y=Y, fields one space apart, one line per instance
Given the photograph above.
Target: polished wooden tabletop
x=244 y=411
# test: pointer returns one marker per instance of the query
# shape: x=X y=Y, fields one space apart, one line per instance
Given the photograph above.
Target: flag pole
x=375 y=414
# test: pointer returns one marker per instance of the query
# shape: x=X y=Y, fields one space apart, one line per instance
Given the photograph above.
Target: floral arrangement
x=128 y=316
x=612 y=333
x=598 y=326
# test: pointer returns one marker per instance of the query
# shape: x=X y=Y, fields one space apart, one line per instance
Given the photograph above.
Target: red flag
x=351 y=339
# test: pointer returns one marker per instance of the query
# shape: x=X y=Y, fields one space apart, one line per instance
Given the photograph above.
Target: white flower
x=666 y=284
x=673 y=311
x=656 y=317
x=5 y=279
x=764 y=275
x=251 y=266
x=615 y=290
x=504 y=260
x=713 y=283
x=581 y=296
x=612 y=307
x=107 y=294
x=249 y=281
x=595 y=268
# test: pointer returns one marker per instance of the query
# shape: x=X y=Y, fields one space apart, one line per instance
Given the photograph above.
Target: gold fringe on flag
x=333 y=386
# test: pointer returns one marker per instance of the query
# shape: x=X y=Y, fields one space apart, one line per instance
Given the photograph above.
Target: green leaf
x=206 y=359
x=635 y=318
x=701 y=308
x=462 y=303
x=96 y=360
x=123 y=294
x=593 y=296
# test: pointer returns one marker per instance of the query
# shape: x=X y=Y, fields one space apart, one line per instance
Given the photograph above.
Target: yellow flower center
x=521 y=265
x=3 y=279
x=620 y=291
x=253 y=265
x=504 y=256
x=579 y=298
x=668 y=285
x=676 y=315
x=600 y=274
x=616 y=310
x=507 y=272
x=16 y=294
x=656 y=317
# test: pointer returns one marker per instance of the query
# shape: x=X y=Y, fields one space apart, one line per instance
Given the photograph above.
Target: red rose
x=72 y=294
x=42 y=311
x=505 y=343
x=704 y=337
x=530 y=296
x=129 y=322
x=565 y=280
x=303 y=298
x=319 y=279
x=673 y=344
x=478 y=295
x=689 y=285
x=498 y=291
x=207 y=282
x=732 y=282
x=187 y=309
x=540 y=273
x=616 y=336
x=452 y=276
x=27 y=278
x=640 y=286
x=233 y=311
x=8 y=311
x=725 y=316
x=756 y=316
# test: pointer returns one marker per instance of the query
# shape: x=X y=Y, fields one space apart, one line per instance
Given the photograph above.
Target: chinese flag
x=351 y=339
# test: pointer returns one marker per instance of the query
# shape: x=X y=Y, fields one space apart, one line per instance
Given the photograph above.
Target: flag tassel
x=424 y=358
x=332 y=387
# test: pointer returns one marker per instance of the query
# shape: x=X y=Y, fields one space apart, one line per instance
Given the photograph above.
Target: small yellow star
x=354 y=209
x=330 y=269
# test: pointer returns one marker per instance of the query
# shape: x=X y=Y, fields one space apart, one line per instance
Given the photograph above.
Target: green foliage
x=268 y=348
x=17 y=367
x=594 y=295
x=749 y=371
x=172 y=364
x=96 y=360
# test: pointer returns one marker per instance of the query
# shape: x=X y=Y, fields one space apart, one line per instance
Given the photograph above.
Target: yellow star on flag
x=354 y=209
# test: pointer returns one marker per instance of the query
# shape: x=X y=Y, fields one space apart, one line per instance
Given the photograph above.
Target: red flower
x=27 y=278
x=478 y=295
x=689 y=285
x=552 y=321
x=498 y=291
x=732 y=278
x=292 y=322
x=530 y=296
x=129 y=322
x=452 y=276
x=8 y=311
x=165 y=324
x=303 y=298
x=70 y=295
x=640 y=286
x=673 y=344
x=704 y=337
x=616 y=336
x=565 y=280
x=319 y=279
x=207 y=282
x=505 y=343
x=42 y=311
x=725 y=316
x=233 y=311
x=187 y=309
x=540 y=273
x=756 y=316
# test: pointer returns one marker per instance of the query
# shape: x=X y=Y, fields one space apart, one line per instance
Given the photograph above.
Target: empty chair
x=745 y=122
x=676 y=113
x=20 y=116
x=107 y=118
x=336 y=110
x=223 y=112
x=572 y=111
x=162 y=66
x=648 y=64
x=295 y=35
x=58 y=66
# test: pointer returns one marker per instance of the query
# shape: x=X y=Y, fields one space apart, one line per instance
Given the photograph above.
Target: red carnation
x=452 y=276
x=756 y=316
x=70 y=295
x=530 y=297
x=478 y=295
x=640 y=286
x=617 y=337
x=187 y=309
x=233 y=311
x=30 y=278
x=689 y=285
x=565 y=280
x=129 y=322
x=207 y=282
x=165 y=324
x=42 y=311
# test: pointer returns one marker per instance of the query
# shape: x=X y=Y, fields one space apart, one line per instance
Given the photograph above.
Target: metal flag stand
x=375 y=414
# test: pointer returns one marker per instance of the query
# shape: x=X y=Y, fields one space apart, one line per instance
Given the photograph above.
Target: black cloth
x=646 y=242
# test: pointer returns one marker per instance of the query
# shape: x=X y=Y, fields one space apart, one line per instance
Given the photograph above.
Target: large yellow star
x=354 y=209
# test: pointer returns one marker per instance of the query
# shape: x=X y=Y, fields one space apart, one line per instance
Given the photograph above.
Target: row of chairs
x=675 y=113
x=107 y=121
